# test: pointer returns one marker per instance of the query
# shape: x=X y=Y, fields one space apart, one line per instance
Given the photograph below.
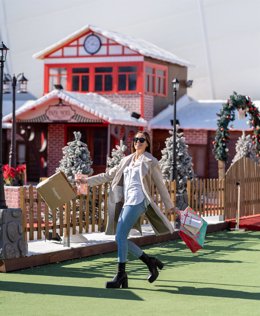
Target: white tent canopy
x=194 y=114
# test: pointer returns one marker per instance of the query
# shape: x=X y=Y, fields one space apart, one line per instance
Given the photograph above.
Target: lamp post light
x=175 y=87
x=9 y=81
x=3 y=53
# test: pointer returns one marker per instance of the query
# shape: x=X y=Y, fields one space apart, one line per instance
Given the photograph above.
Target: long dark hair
x=148 y=140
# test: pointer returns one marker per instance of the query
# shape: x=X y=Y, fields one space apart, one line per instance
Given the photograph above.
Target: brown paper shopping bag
x=56 y=190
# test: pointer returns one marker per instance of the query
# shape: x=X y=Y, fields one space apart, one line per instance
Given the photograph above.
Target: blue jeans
x=128 y=217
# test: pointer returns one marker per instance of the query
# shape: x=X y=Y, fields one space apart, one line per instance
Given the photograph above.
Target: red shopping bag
x=190 y=242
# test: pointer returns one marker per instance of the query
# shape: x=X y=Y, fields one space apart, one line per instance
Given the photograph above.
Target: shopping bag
x=191 y=221
x=194 y=241
x=56 y=190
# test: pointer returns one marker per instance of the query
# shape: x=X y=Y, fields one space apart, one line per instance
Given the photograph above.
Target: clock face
x=92 y=44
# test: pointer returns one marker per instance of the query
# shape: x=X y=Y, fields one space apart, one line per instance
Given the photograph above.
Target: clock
x=92 y=44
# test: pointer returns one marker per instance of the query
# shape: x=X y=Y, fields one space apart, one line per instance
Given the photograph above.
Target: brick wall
x=55 y=144
x=148 y=107
x=198 y=137
x=12 y=196
x=130 y=102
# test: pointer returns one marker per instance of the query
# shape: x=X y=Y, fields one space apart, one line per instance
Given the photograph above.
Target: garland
x=226 y=115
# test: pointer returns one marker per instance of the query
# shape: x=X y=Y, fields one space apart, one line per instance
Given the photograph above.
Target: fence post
x=238 y=206
x=66 y=241
x=221 y=169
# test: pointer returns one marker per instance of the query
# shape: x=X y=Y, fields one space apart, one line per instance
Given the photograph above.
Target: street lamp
x=175 y=87
x=22 y=88
x=3 y=53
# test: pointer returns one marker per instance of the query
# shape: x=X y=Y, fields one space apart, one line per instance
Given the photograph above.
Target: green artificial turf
x=221 y=279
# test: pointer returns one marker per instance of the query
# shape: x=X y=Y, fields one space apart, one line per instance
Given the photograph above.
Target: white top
x=133 y=191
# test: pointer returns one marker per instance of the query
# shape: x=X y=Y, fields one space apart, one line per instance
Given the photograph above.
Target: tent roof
x=194 y=114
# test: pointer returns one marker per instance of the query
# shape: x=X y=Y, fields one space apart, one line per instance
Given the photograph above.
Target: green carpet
x=221 y=279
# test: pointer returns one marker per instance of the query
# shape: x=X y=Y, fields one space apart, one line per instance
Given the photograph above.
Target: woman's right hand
x=81 y=183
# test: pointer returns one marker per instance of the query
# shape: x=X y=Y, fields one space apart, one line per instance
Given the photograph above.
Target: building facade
x=103 y=84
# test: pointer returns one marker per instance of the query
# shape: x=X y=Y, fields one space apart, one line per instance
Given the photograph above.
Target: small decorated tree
x=245 y=147
x=183 y=165
x=76 y=158
x=116 y=155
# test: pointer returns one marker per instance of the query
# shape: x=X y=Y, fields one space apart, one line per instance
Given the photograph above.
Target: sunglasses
x=141 y=139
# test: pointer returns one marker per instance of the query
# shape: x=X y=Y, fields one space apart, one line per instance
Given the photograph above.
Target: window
x=103 y=79
x=160 y=82
x=127 y=78
x=57 y=76
x=80 y=79
x=100 y=78
x=155 y=80
x=149 y=80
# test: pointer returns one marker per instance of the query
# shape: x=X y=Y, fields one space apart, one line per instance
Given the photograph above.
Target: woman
x=130 y=197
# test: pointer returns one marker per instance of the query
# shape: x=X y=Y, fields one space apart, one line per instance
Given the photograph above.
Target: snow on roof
x=194 y=114
x=20 y=100
x=6 y=125
x=139 y=45
x=92 y=103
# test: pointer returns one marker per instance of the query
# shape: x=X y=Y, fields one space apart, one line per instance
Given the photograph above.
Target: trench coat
x=150 y=174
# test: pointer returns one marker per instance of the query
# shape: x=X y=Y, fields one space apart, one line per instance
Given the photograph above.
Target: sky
x=221 y=38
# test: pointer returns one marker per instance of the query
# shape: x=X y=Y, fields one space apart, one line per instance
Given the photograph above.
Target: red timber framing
x=74 y=48
x=108 y=78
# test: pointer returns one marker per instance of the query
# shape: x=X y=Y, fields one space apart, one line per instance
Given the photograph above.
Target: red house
x=102 y=83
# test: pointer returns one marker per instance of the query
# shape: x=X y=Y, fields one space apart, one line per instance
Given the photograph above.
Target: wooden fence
x=88 y=213
x=243 y=177
x=206 y=196
x=85 y=214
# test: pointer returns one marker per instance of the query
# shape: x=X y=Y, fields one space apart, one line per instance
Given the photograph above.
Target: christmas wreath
x=242 y=104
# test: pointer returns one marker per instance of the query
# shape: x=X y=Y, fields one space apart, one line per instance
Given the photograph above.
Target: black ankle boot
x=120 y=279
x=152 y=264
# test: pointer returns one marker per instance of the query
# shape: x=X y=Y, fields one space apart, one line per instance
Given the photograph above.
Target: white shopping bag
x=191 y=221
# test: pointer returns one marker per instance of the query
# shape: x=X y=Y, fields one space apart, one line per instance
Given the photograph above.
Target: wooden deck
x=9 y=265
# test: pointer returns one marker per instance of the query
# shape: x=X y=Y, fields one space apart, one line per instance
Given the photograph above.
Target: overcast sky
x=220 y=37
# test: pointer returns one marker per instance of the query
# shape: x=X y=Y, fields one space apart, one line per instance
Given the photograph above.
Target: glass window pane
x=58 y=71
x=85 y=83
x=127 y=69
x=75 y=83
x=149 y=70
x=151 y=84
x=52 y=81
x=122 y=82
x=159 y=72
x=132 y=82
x=98 y=83
x=80 y=70
x=163 y=86
x=63 y=82
x=146 y=83
x=103 y=69
x=157 y=85
x=108 y=83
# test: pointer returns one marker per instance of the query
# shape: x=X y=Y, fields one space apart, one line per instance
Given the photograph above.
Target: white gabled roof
x=6 y=125
x=194 y=114
x=92 y=103
x=139 y=45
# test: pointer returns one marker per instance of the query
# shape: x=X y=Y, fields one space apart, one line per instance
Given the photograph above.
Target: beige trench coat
x=149 y=173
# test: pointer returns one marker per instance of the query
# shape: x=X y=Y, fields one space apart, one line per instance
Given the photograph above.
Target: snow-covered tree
x=76 y=158
x=184 y=166
x=116 y=155
x=245 y=147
